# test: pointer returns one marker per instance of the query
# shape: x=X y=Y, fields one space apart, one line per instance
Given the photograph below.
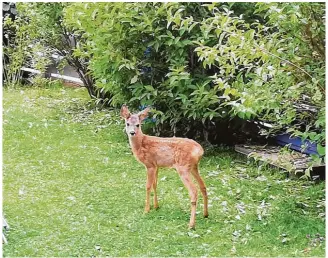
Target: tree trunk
x=80 y=67
x=88 y=81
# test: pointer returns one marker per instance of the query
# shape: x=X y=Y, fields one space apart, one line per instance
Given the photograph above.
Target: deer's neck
x=136 y=142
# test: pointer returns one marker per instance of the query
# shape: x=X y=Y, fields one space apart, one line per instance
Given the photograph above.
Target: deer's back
x=169 y=152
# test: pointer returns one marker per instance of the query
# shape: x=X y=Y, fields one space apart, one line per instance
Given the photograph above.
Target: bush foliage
x=205 y=64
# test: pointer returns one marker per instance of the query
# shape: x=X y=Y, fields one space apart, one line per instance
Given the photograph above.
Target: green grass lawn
x=71 y=187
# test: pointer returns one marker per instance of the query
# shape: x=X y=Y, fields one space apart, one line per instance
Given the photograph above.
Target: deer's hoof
x=191 y=227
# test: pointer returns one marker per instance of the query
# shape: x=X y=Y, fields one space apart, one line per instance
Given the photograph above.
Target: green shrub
x=202 y=63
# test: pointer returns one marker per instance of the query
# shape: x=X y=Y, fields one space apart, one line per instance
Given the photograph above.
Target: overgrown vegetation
x=203 y=67
x=40 y=34
x=73 y=188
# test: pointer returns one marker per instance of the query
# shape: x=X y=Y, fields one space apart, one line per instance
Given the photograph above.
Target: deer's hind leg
x=202 y=186
x=185 y=176
x=155 y=189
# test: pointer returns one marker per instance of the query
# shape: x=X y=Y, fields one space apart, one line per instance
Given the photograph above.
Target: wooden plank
x=291 y=161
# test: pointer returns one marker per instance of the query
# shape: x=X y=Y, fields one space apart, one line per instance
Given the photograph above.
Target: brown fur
x=180 y=153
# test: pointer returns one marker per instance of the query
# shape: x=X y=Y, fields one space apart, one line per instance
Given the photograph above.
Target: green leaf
x=134 y=79
x=156 y=46
x=149 y=88
x=321 y=149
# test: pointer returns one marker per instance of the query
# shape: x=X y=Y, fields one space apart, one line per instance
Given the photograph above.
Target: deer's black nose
x=132 y=133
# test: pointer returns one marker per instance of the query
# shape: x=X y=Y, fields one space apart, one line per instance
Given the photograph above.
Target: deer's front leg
x=155 y=189
x=151 y=173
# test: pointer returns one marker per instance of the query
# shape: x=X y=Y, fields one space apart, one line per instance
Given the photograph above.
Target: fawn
x=180 y=153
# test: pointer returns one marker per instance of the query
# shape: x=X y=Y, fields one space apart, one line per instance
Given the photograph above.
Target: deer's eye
x=137 y=125
x=127 y=124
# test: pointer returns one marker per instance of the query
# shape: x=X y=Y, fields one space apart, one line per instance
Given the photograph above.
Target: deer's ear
x=125 y=113
x=144 y=113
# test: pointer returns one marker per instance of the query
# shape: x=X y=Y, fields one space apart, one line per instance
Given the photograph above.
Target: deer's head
x=133 y=121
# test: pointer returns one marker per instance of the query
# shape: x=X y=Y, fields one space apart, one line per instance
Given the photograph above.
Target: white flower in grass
x=193 y=235
x=21 y=191
x=241 y=207
x=71 y=198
